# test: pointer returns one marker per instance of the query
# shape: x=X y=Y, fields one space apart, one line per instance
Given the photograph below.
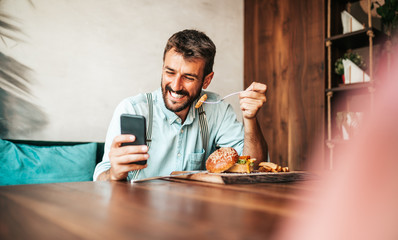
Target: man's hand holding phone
x=124 y=158
x=128 y=151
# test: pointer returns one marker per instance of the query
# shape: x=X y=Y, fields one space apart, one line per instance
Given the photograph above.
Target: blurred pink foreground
x=359 y=199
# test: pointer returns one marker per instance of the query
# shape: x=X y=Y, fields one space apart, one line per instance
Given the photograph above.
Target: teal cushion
x=27 y=164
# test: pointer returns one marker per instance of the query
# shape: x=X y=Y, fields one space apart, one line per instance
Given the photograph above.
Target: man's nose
x=176 y=84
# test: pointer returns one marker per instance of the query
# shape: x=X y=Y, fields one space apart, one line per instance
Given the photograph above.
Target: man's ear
x=207 y=80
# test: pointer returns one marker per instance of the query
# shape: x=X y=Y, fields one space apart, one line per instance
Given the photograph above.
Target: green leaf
x=241 y=161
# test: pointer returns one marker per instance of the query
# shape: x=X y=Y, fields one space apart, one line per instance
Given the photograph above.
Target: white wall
x=87 y=55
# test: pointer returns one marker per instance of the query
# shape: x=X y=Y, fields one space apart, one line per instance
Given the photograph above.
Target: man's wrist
x=250 y=122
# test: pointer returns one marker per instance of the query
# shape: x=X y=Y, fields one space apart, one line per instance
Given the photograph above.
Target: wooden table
x=159 y=209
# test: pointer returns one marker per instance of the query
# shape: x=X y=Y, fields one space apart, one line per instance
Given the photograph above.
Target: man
x=176 y=143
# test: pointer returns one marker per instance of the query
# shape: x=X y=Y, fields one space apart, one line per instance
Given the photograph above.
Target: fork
x=222 y=99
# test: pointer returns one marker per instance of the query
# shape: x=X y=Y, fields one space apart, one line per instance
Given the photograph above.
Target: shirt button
x=179 y=155
x=179 y=120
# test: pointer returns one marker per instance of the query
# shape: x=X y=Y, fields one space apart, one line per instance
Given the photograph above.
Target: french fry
x=201 y=100
x=271 y=167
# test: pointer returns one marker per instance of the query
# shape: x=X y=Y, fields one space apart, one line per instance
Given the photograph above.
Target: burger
x=227 y=160
x=244 y=164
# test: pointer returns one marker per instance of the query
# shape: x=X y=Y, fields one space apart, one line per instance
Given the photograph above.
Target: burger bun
x=221 y=160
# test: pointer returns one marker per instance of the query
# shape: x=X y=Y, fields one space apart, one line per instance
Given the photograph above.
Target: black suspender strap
x=204 y=130
x=149 y=128
x=150 y=119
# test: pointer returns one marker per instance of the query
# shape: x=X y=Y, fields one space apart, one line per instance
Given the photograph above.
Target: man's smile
x=176 y=95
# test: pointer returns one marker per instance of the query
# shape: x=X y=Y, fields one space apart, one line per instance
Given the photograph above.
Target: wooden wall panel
x=284 y=49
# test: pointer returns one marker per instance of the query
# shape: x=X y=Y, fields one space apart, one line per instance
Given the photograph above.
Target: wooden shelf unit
x=336 y=45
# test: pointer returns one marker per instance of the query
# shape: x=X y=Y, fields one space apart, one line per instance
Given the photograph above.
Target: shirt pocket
x=196 y=161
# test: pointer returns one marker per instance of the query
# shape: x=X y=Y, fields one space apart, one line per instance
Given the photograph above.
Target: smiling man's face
x=182 y=81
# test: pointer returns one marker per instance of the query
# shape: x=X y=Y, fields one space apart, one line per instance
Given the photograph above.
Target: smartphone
x=135 y=125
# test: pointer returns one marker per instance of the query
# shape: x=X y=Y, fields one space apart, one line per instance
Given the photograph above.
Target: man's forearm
x=254 y=143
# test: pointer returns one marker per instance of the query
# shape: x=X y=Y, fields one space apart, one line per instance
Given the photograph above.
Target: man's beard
x=184 y=105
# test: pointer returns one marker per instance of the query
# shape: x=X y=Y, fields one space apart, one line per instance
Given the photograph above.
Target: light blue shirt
x=176 y=146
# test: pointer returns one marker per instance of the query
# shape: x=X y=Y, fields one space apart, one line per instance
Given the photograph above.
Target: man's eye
x=169 y=72
x=189 y=78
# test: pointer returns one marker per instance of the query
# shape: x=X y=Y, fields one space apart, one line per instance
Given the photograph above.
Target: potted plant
x=354 y=57
x=388 y=11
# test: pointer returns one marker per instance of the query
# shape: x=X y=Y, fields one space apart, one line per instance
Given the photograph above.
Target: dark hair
x=193 y=44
